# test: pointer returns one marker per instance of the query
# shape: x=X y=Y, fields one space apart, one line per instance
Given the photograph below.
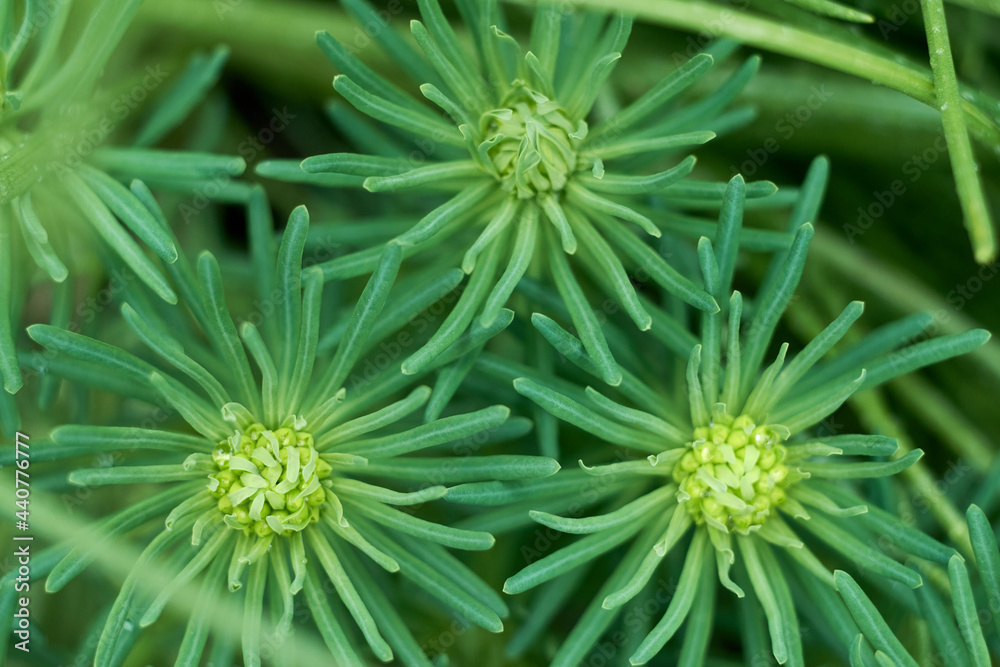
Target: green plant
x=269 y=485
x=358 y=420
x=523 y=157
x=742 y=461
x=56 y=116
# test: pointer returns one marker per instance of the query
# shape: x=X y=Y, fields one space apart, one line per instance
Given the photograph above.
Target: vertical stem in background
x=878 y=418
x=963 y=162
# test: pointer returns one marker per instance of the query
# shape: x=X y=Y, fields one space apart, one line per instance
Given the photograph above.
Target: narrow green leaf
x=680 y=603
x=583 y=315
x=445 y=56
x=861 y=354
x=124 y=604
x=201 y=416
x=579 y=415
x=643 y=420
x=816 y=407
x=440 y=175
x=862 y=445
x=660 y=498
x=196 y=632
x=449 y=379
x=870 y=621
x=333 y=635
x=10 y=371
x=771 y=306
x=107 y=438
x=845 y=542
x=458 y=320
x=183 y=95
x=153 y=474
x=700 y=621
x=438 y=585
x=222 y=332
x=378 y=494
x=411 y=525
x=389 y=622
x=442 y=431
x=586 y=200
x=351 y=535
x=107 y=227
x=521 y=255
x=349 y=64
x=654 y=99
x=457 y=470
x=291 y=171
x=452 y=210
x=815 y=350
x=763 y=587
x=984 y=546
x=507 y=212
x=638 y=185
x=609 y=267
x=394 y=114
x=37 y=239
x=349 y=595
x=373 y=421
x=662 y=273
x=863 y=469
x=152 y=165
x=573 y=556
x=628 y=147
x=253 y=611
x=966 y=613
x=923 y=354
x=293 y=392
x=288 y=275
x=171 y=350
x=268 y=370
x=130 y=211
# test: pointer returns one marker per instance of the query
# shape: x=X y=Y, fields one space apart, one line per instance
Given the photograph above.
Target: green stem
x=778 y=37
x=878 y=418
x=900 y=289
x=963 y=162
x=907 y=78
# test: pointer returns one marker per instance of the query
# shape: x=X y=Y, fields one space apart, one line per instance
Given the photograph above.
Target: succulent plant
x=342 y=440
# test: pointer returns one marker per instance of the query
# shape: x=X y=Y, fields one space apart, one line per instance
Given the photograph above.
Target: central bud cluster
x=733 y=473
x=532 y=143
x=269 y=481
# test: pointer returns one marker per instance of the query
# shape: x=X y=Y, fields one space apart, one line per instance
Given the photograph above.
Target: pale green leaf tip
x=36 y=330
x=613 y=377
